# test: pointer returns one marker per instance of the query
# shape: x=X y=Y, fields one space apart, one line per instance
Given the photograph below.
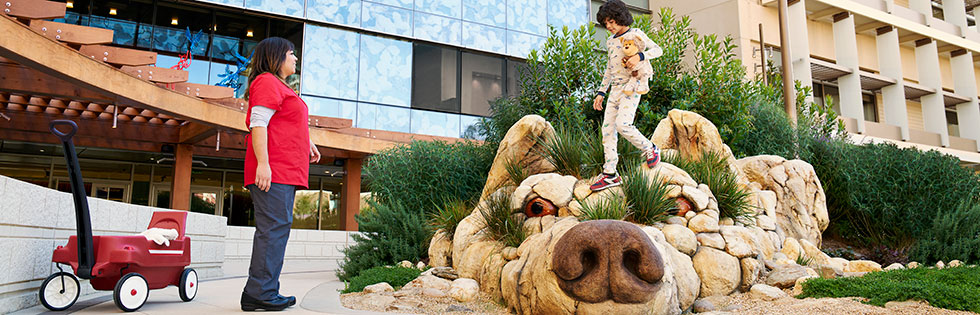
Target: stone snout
x=602 y=260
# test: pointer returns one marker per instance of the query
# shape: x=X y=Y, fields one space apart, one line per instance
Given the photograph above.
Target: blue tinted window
x=346 y=12
x=385 y=72
x=330 y=62
x=386 y=19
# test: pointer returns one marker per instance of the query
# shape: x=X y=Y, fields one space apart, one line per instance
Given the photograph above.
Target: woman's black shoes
x=276 y=304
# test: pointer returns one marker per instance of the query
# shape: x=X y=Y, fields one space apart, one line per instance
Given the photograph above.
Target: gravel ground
x=419 y=304
x=836 y=306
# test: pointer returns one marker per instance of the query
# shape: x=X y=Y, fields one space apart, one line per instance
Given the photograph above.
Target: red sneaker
x=606 y=181
x=653 y=157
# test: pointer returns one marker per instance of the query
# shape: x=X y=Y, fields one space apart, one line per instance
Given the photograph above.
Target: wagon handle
x=65 y=137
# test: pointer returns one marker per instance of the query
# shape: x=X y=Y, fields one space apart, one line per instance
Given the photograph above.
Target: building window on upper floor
x=482 y=82
x=870 y=106
x=435 y=78
x=952 y=123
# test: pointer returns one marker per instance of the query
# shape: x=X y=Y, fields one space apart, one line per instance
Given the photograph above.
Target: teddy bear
x=640 y=74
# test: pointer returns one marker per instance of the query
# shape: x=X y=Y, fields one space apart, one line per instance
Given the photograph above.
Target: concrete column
x=965 y=84
x=845 y=49
x=954 y=12
x=933 y=107
x=890 y=65
x=351 y=194
x=921 y=6
x=180 y=188
x=799 y=45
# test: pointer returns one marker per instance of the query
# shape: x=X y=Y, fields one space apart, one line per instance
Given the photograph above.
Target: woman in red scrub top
x=277 y=161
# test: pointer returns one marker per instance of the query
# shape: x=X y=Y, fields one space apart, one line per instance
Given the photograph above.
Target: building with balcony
x=897 y=71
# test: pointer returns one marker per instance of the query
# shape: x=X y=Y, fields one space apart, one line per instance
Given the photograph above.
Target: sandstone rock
x=895 y=266
x=428 y=282
x=690 y=215
x=681 y=238
x=913 y=264
x=955 y=263
x=785 y=276
x=838 y=263
x=464 y=290
x=779 y=256
x=713 y=240
x=765 y=222
x=791 y=248
x=407 y=292
x=670 y=174
x=711 y=303
x=677 y=220
x=752 y=270
x=814 y=253
x=739 y=242
x=378 y=288
x=940 y=265
x=440 y=250
x=854 y=274
x=827 y=271
x=766 y=293
x=696 y=196
x=801 y=207
x=434 y=293
x=798 y=287
x=377 y=301
x=673 y=191
x=862 y=266
x=521 y=146
x=420 y=266
x=811 y=272
x=557 y=190
x=726 y=221
x=703 y=306
x=703 y=223
x=720 y=272
x=445 y=273
x=711 y=213
x=405 y=264
x=510 y=253
x=581 y=189
x=690 y=134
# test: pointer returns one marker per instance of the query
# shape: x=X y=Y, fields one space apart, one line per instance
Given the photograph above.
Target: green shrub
x=954 y=235
x=501 y=225
x=565 y=151
x=390 y=233
x=646 y=198
x=423 y=173
x=395 y=276
x=614 y=208
x=448 y=215
x=950 y=288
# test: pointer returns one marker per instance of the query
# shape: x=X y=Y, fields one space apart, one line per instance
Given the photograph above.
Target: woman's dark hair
x=268 y=56
x=615 y=10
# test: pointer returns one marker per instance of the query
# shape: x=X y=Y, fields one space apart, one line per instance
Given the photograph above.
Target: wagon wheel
x=59 y=291
x=188 y=285
x=131 y=292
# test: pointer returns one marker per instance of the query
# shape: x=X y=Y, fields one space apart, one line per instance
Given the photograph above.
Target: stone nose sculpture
x=602 y=260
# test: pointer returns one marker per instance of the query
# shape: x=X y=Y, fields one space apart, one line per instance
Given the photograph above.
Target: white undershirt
x=260 y=116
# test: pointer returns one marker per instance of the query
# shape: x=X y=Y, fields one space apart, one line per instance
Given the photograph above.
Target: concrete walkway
x=317 y=293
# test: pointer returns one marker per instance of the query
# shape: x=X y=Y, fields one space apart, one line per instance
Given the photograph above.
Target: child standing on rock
x=621 y=109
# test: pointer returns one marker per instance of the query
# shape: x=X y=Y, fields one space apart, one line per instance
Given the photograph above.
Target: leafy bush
x=712 y=169
x=950 y=288
x=390 y=233
x=448 y=215
x=397 y=277
x=646 y=198
x=499 y=219
x=438 y=171
x=604 y=209
x=954 y=235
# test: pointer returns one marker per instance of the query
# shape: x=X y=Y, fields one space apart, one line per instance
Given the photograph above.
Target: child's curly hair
x=615 y=10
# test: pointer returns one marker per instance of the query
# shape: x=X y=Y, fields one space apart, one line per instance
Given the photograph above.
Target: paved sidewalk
x=316 y=291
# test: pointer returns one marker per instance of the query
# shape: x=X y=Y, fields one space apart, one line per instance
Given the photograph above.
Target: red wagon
x=130 y=266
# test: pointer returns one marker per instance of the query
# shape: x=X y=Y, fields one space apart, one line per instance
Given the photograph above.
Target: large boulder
x=520 y=145
x=784 y=276
x=681 y=238
x=440 y=250
x=720 y=272
x=801 y=206
x=691 y=134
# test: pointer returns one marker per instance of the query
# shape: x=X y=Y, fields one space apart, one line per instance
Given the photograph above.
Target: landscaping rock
x=726 y=221
x=798 y=287
x=801 y=208
x=509 y=253
x=407 y=292
x=681 y=238
x=827 y=271
x=765 y=222
x=940 y=265
x=854 y=274
x=955 y=263
x=464 y=290
x=703 y=223
x=913 y=264
x=429 y=282
x=677 y=220
x=711 y=303
x=379 y=287
x=420 y=266
x=444 y=272
x=791 y=248
x=690 y=215
x=720 y=272
x=697 y=197
x=779 y=256
x=703 y=306
x=520 y=144
x=434 y=293
x=838 y=263
x=766 y=292
x=752 y=270
x=690 y=134
x=739 y=241
x=862 y=266
x=713 y=240
x=813 y=252
x=405 y=264
x=895 y=266
x=440 y=250
x=785 y=276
